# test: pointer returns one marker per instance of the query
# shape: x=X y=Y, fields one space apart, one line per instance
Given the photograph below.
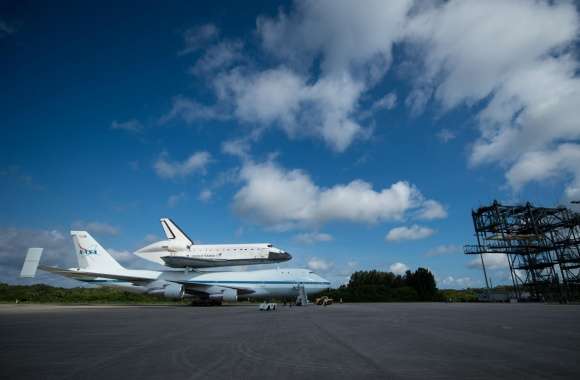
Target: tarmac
x=386 y=341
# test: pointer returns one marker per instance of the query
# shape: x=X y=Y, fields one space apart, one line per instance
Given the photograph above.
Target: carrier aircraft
x=179 y=251
x=97 y=266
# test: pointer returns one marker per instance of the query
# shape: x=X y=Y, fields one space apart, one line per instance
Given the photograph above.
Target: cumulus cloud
x=313 y=237
x=398 y=268
x=98 y=228
x=190 y=111
x=284 y=98
x=544 y=165
x=14 y=243
x=197 y=37
x=323 y=59
x=457 y=282
x=324 y=56
x=218 y=57
x=492 y=261
x=283 y=199
x=132 y=125
x=196 y=163
x=415 y=232
x=388 y=102
x=318 y=264
x=525 y=86
x=342 y=34
x=444 y=249
x=237 y=147
x=432 y=210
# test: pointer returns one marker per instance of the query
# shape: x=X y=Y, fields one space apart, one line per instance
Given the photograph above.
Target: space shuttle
x=96 y=266
x=179 y=251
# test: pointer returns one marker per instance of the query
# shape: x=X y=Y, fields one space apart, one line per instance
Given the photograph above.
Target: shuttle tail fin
x=92 y=256
x=173 y=232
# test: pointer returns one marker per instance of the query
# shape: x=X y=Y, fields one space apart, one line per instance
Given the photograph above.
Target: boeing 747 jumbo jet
x=97 y=266
x=179 y=251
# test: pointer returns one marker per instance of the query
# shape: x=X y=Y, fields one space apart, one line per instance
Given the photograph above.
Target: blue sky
x=354 y=137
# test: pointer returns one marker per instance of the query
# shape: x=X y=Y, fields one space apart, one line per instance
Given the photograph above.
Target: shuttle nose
x=279 y=256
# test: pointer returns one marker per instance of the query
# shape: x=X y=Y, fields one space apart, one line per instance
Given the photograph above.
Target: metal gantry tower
x=542 y=246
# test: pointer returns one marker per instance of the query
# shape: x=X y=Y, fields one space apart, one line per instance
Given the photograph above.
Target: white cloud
x=175 y=199
x=492 y=261
x=325 y=56
x=318 y=264
x=191 y=111
x=543 y=165
x=445 y=135
x=342 y=34
x=415 y=232
x=14 y=243
x=237 y=147
x=432 y=210
x=313 y=237
x=205 y=195
x=196 y=163
x=388 y=102
x=218 y=57
x=282 y=97
x=132 y=125
x=195 y=38
x=96 y=227
x=282 y=199
x=518 y=73
x=458 y=282
x=398 y=268
x=444 y=249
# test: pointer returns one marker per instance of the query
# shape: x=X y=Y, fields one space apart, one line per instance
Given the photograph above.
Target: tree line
x=378 y=286
x=40 y=293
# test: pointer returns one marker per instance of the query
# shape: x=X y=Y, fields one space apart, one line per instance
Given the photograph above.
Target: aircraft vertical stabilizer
x=91 y=256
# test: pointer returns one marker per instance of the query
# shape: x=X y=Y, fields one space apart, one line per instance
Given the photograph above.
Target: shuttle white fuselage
x=179 y=251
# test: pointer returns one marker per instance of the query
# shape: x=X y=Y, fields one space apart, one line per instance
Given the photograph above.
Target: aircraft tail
x=92 y=256
x=173 y=232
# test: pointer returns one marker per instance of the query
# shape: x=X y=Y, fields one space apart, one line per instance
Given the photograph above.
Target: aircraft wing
x=204 y=288
x=80 y=275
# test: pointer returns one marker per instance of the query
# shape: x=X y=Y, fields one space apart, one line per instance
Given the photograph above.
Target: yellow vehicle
x=324 y=301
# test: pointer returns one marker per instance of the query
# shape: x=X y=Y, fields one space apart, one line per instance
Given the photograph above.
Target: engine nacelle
x=168 y=290
x=228 y=295
x=174 y=291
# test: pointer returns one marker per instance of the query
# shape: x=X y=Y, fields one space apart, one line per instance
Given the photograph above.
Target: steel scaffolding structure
x=542 y=246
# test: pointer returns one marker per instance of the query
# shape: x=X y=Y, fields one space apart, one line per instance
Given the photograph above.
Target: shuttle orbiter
x=179 y=251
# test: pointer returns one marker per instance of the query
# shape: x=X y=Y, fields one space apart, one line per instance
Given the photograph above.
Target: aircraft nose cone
x=279 y=256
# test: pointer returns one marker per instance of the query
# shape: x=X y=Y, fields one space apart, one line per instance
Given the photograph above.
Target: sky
x=354 y=137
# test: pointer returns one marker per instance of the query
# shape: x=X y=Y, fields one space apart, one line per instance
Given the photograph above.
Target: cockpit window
x=269 y=245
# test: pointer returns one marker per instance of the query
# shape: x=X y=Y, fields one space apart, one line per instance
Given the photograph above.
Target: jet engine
x=169 y=290
x=174 y=291
x=228 y=295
